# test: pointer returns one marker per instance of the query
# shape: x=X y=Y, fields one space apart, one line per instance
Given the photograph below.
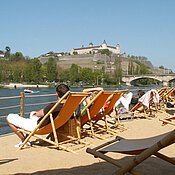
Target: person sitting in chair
x=15 y=121
x=125 y=100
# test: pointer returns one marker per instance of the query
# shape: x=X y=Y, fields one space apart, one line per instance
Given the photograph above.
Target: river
x=41 y=91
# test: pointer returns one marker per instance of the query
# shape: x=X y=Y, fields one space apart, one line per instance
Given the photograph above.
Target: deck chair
x=161 y=93
x=142 y=148
x=72 y=102
x=92 y=109
x=151 y=103
x=112 y=99
x=169 y=95
x=166 y=96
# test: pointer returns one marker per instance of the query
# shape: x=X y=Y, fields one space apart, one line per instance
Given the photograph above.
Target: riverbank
x=39 y=160
x=20 y=85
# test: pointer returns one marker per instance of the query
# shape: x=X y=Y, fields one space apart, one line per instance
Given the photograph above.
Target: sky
x=140 y=27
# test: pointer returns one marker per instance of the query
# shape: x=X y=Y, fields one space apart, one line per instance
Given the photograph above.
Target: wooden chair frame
x=96 y=104
x=106 y=112
x=141 y=155
x=73 y=101
x=139 y=107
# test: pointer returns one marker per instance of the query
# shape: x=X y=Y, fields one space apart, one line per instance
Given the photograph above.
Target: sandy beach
x=48 y=160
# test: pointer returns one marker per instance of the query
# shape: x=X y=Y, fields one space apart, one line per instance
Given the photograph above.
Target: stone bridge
x=164 y=78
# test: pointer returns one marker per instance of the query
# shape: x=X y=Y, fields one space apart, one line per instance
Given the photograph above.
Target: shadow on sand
x=170 y=111
x=3 y=161
x=152 y=165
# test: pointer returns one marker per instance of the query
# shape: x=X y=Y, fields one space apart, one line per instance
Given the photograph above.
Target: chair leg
x=166 y=158
x=92 y=130
x=54 y=130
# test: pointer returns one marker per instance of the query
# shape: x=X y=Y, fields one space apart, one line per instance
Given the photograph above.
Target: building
x=94 y=49
x=51 y=53
x=1 y=54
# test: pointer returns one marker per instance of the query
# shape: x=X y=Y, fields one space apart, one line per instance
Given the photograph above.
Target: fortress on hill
x=94 y=49
x=91 y=49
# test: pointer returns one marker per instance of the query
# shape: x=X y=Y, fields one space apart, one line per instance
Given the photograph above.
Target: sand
x=48 y=160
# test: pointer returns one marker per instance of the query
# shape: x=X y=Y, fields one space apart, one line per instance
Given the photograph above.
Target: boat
x=28 y=91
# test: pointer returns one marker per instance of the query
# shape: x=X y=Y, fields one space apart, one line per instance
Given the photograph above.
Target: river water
x=5 y=103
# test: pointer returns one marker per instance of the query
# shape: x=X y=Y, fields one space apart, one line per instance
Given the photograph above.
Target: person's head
x=125 y=95
x=93 y=94
x=62 y=89
x=140 y=93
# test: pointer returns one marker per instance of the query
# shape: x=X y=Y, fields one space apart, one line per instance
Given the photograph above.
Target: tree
x=87 y=75
x=74 y=77
x=51 y=67
x=1 y=73
x=118 y=70
x=107 y=79
x=75 y=53
x=130 y=67
x=7 y=52
x=161 y=67
x=16 y=73
x=65 y=75
x=18 y=56
x=28 y=74
x=36 y=70
x=105 y=51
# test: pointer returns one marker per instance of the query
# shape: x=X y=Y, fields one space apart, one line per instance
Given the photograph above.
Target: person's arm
x=39 y=113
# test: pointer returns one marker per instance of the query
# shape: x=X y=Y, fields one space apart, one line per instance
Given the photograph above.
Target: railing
x=21 y=105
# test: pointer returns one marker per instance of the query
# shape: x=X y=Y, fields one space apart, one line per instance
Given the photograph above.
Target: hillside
x=92 y=61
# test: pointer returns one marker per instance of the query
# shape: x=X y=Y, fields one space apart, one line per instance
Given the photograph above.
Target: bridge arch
x=134 y=80
x=165 y=78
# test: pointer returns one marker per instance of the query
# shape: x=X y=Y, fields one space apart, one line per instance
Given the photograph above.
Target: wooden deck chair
x=72 y=102
x=161 y=93
x=142 y=148
x=112 y=99
x=168 y=96
x=92 y=109
x=165 y=97
x=139 y=108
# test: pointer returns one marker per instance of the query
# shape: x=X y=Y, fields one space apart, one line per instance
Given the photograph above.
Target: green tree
x=118 y=70
x=74 y=75
x=87 y=75
x=7 y=52
x=1 y=72
x=51 y=67
x=28 y=72
x=108 y=79
x=144 y=69
x=64 y=75
x=75 y=53
x=105 y=51
x=36 y=70
x=16 y=73
x=130 y=67
x=18 y=56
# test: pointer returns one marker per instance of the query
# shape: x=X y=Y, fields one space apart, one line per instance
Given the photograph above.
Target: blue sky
x=141 y=27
